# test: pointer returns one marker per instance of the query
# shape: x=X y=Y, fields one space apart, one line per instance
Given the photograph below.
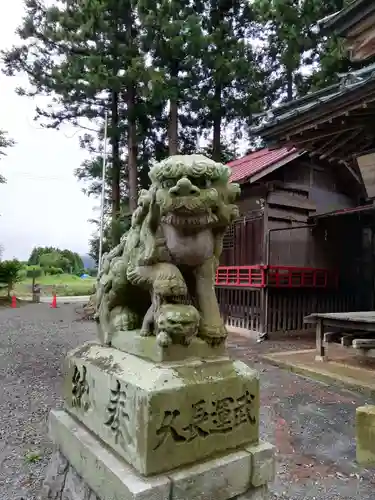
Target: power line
x=80 y=128
x=30 y=176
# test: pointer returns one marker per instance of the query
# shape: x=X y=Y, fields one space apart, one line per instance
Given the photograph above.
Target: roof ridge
x=358 y=74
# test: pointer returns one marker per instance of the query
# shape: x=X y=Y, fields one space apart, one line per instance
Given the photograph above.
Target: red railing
x=276 y=276
x=240 y=276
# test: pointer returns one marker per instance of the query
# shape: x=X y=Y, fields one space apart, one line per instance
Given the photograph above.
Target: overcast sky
x=42 y=203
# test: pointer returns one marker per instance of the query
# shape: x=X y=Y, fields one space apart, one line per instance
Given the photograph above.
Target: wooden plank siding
x=286 y=198
x=243 y=241
x=267 y=233
x=289 y=206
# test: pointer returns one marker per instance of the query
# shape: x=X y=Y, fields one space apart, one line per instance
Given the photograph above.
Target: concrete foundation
x=83 y=468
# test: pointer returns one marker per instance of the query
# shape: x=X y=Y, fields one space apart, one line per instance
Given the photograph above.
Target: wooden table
x=349 y=321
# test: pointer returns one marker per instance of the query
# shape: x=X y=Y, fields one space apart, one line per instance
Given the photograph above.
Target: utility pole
x=104 y=167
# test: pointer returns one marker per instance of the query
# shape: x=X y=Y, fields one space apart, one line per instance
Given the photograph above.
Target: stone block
x=95 y=472
x=75 y=488
x=55 y=477
x=365 y=430
x=263 y=463
x=218 y=479
x=162 y=416
x=107 y=475
x=147 y=348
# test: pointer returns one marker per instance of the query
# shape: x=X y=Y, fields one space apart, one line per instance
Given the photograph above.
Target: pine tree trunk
x=132 y=151
x=216 y=139
x=116 y=160
x=173 y=112
x=289 y=85
x=173 y=128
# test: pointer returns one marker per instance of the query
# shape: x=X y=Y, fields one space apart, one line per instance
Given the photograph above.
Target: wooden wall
x=346 y=243
x=243 y=242
x=252 y=198
x=288 y=206
x=299 y=190
x=284 y=199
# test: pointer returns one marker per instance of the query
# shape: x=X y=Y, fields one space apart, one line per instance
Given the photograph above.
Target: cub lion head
x=177 y=324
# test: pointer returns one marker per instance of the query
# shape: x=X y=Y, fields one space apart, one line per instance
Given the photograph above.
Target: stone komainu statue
x=170 y=254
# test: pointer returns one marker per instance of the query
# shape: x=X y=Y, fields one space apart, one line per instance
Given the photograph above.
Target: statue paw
x=167 y=286
x=163 y=339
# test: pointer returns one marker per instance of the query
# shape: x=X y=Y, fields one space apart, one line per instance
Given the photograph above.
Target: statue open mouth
x=189 y=219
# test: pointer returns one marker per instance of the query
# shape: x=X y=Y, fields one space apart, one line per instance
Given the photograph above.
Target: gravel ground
x=311 y=424
x=33 y=342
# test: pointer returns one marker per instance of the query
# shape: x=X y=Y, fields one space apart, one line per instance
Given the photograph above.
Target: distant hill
x=88 y=262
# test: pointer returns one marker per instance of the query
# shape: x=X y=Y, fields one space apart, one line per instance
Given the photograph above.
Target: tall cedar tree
x=62 y=53
x=172 y=37
x=84 y=56
x=231 y=85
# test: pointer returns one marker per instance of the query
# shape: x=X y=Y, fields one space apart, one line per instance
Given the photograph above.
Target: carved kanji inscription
x=80 y=389
x=220 y=416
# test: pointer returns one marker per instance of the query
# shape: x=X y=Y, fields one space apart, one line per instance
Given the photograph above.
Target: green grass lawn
x=62 y=284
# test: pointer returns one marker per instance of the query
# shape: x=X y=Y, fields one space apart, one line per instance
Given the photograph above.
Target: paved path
x=60 y=299
x=311 y=424
x=66 y=300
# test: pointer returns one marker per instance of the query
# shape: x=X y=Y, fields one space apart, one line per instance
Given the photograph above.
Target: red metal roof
x=253 y=163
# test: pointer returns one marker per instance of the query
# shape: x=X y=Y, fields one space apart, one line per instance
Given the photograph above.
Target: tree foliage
x=110 y=234
x=301 y=56
x=166 y=74
x=50 y=257
x=54 y=260
x=231 y=81
x=9 y=273
x=34 y=272
x=79 y=55
x=148 y=65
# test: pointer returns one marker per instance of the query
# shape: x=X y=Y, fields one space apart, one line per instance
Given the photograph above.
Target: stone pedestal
x=158 y=424
x=365 y=433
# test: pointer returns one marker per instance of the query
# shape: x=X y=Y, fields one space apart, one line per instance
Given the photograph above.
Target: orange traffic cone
x=14 y=301
x=54 y=302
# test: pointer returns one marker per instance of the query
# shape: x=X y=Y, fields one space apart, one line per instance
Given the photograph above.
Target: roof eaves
x=348 y=17
x=344 y=211
x=303 y=105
